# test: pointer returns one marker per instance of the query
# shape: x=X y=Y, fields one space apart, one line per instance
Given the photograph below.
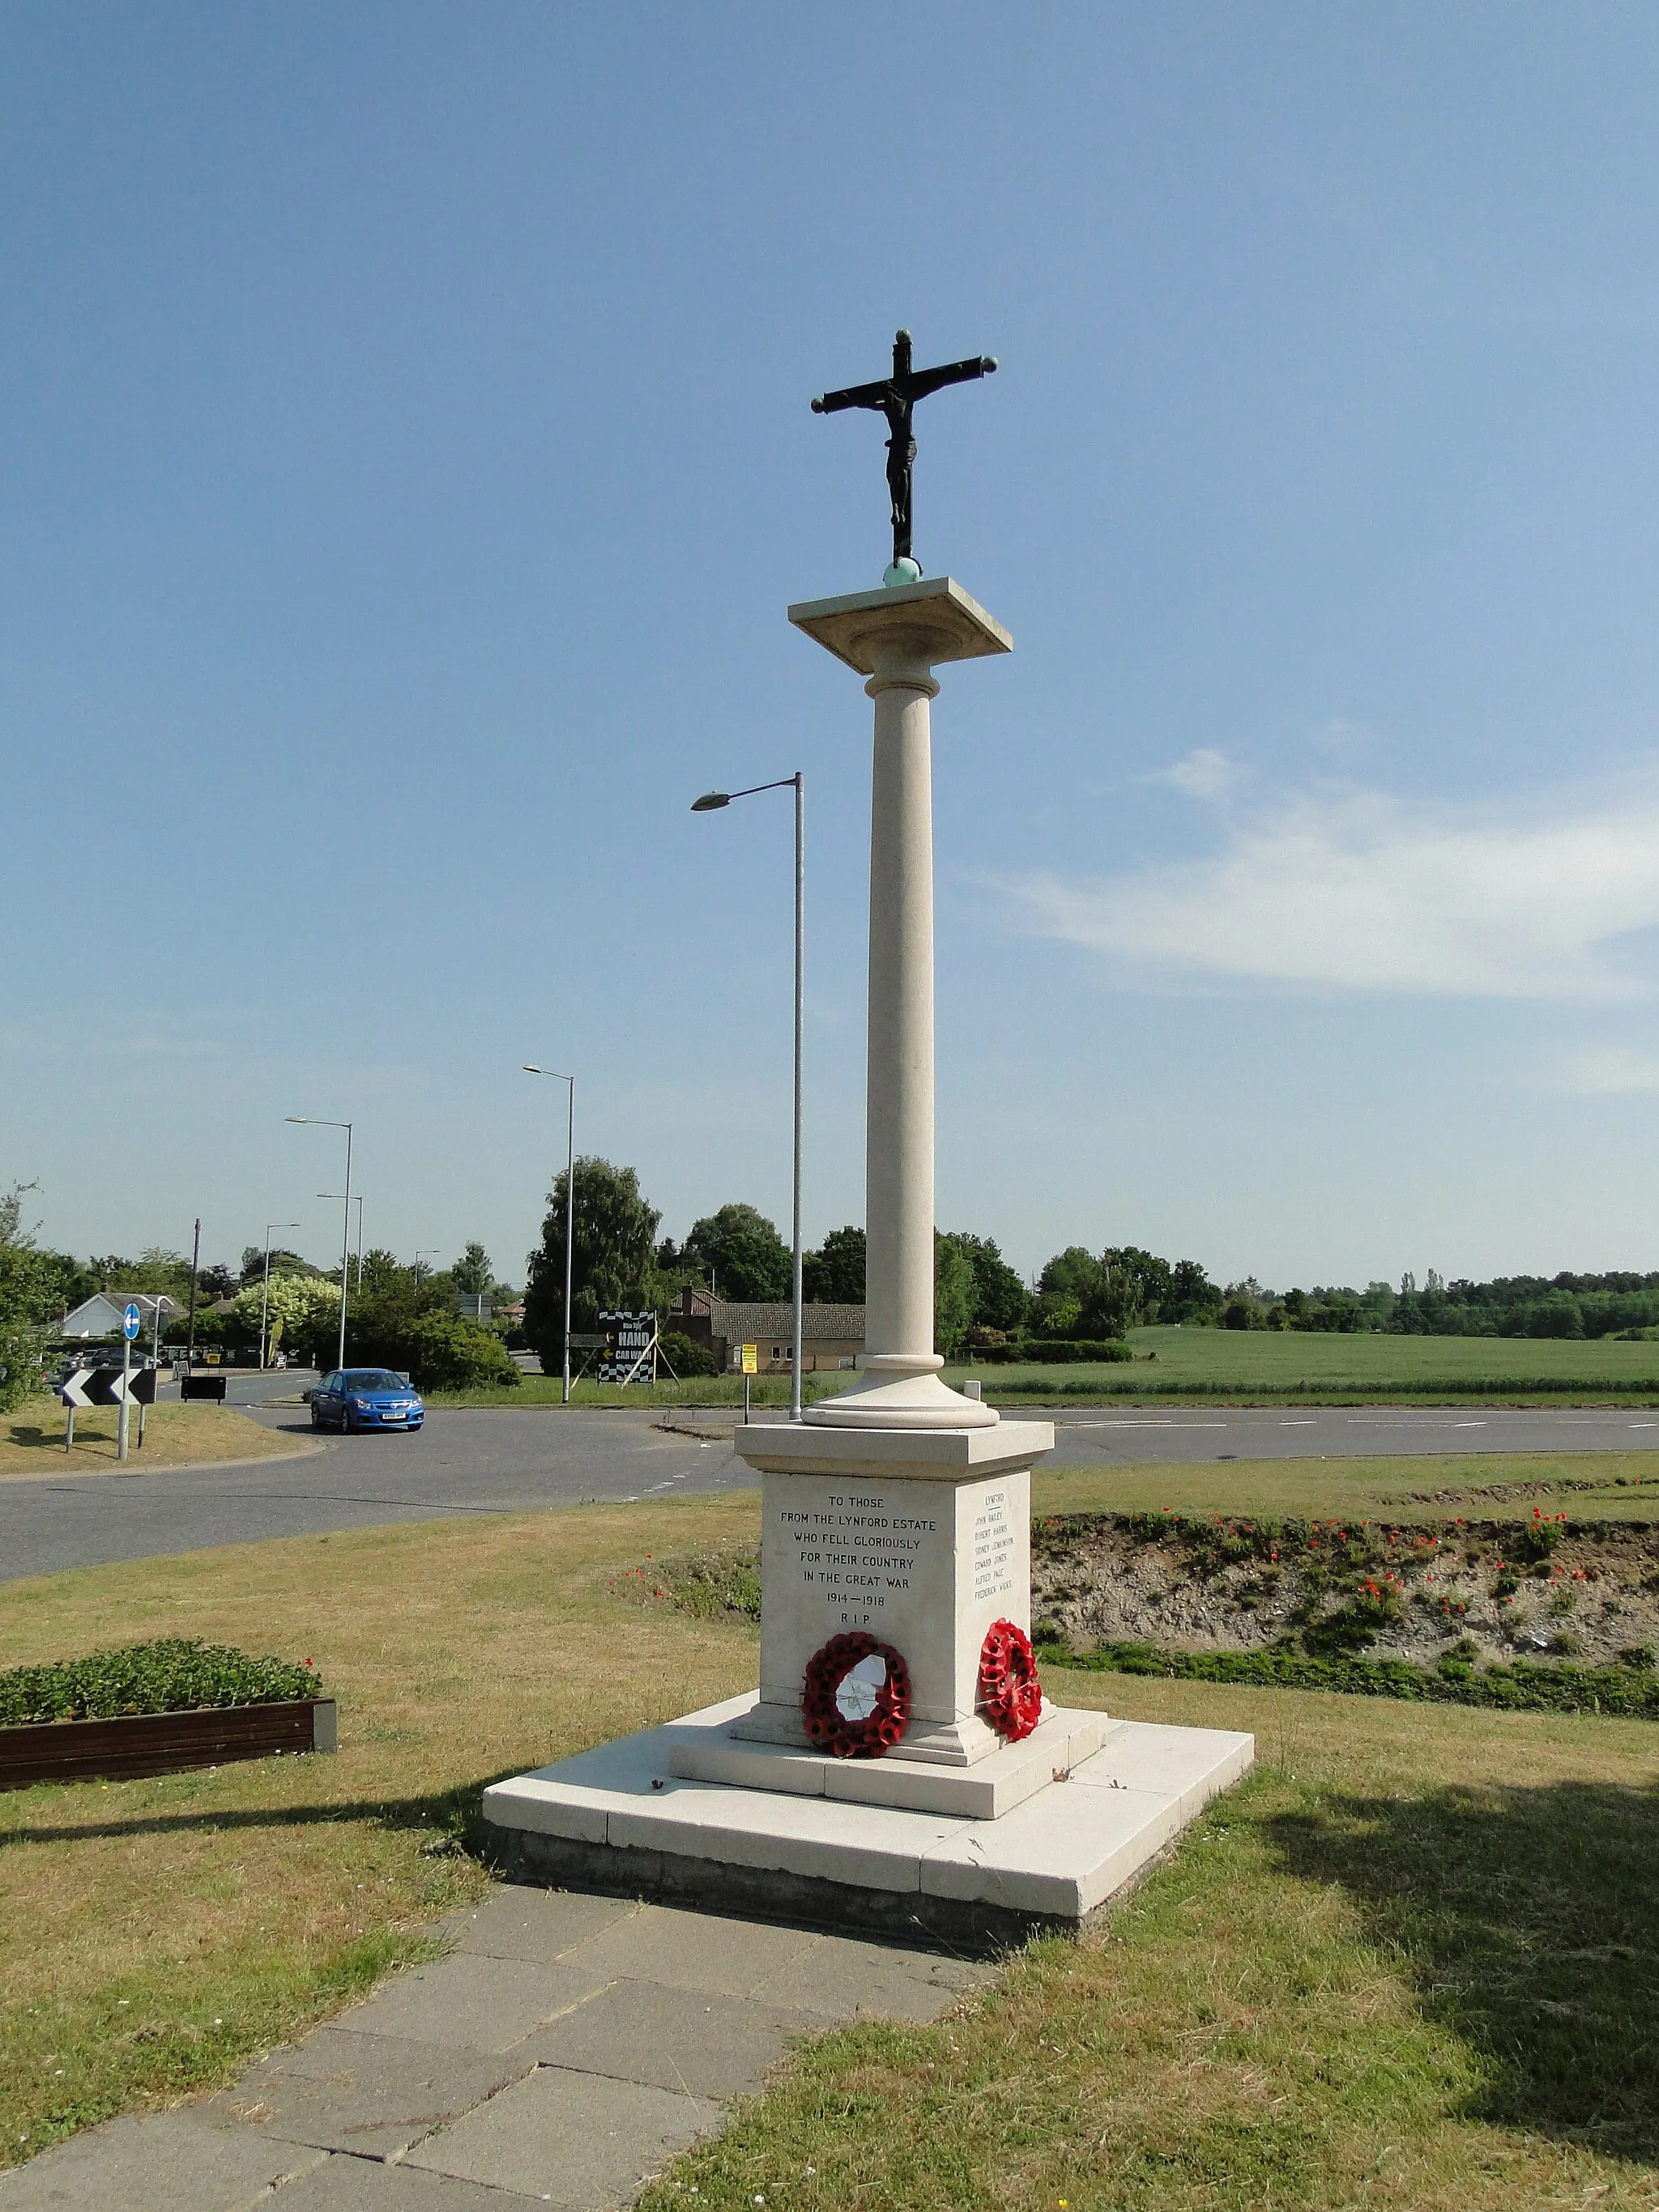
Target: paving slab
x=846 y=1977
x=693 y=2041
x=470 y=2001
x=362 y=2184
x=533 y=1923
x=581 y=2140
x=690 y=1951
x=167 y=2160
x=373 y=2095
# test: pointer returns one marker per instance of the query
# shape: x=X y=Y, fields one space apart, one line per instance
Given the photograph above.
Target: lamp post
x=424 y=1252
x=317 y=1121
x=707 y=804
x=356 y=1200
x=531 y=1069
x=265 y=1289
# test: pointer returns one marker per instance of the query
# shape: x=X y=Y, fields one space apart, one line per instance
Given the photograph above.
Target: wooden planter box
x=161 y=1743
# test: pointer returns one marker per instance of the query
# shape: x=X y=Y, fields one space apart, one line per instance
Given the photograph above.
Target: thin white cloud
x=1613 y=1071
x=1361 y=892
x=1204 y=774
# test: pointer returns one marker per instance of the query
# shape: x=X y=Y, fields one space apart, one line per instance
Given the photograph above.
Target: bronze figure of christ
x=895 y=397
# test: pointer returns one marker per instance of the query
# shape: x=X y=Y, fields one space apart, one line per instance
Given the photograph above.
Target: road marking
x=1645 y=1424
x=1468 y=1425
x=1296 y=1424
x=1143 y=1425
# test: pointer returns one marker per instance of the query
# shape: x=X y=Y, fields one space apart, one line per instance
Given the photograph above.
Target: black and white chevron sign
x=104 y=1386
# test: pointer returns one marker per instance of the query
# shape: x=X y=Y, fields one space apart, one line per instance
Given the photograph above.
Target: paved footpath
x=560 y=2054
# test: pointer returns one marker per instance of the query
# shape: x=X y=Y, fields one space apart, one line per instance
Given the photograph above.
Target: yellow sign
x=752 y=1359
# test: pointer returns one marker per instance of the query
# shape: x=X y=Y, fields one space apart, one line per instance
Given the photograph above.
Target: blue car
x=365 y=1398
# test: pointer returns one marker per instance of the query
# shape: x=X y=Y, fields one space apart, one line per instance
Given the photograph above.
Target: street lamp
x=710 y=801
x=317 y=1121
x=265 y=1289
x=424 y=1252
x=355 y=1200
x=531 y=1069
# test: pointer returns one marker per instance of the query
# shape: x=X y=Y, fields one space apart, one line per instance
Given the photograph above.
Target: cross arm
x=924 y=380
x=856 y=395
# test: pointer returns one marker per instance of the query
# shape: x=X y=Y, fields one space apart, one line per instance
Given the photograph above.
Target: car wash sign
x=629 y=1342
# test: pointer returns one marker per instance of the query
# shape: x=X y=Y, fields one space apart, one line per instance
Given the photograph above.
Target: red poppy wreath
x=1008 y=1686
x=856 y=1703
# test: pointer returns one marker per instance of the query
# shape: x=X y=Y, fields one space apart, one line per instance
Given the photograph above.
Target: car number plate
x=394 y=1414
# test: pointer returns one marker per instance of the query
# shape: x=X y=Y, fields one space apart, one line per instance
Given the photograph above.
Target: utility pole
x=195 y=1265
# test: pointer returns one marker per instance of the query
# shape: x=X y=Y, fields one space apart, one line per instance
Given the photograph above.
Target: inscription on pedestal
x=857 y=1553
x=995 y=1544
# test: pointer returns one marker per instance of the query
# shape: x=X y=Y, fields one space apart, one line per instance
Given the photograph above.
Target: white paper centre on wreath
x=858 y=1687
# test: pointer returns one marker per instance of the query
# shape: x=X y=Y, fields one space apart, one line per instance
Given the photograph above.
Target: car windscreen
x=373 y=1378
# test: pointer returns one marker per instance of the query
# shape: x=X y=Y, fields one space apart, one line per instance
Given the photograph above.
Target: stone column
x=899 y=1114
x=895 y=637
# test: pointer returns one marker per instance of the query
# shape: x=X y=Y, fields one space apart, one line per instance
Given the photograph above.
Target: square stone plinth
x=618 y=1820
x=920 y=1539
x=983 y=1792
x=946 y=623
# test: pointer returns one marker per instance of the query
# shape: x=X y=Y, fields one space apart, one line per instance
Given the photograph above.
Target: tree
x=749 y=1258
x=1067 y=1281
x=1193 y=1295
x=614 y=1251
x=283 y=1262
x=303 y=1313
x=1000 y=1298
x=953 y=1293
x=834 y=1275
x=470 y=1274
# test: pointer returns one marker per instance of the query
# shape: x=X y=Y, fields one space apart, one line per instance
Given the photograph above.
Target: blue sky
x=407 y=463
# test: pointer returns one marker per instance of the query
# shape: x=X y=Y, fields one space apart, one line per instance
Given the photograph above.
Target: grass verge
x=1591 y=1486
x=32 y=1439
x=1414 y=1964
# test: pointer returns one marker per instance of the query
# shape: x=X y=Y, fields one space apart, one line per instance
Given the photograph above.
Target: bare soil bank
x=1586 y=1590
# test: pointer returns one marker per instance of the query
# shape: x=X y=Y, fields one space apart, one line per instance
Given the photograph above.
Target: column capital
x=926 y=624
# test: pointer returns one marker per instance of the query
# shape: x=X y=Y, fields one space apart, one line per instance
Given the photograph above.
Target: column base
x=900 y=1390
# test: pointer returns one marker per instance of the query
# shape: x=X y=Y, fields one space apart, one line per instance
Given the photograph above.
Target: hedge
x=1631 y=1691
x=1054 y=1351
x=171 y=1675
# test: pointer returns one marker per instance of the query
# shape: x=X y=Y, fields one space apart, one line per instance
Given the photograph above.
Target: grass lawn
x=32 y=1439
x=1262 y=1364
x=1415 y=1963
x=1486 y=1486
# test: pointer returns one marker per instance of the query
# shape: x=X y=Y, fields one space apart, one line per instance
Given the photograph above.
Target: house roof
x=102 y=1311
x=748 y=1324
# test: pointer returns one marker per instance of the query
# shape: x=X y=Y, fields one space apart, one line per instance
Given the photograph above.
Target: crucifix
x=895 y=397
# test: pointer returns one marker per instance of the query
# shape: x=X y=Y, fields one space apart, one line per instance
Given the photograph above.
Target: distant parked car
x=365 y=1398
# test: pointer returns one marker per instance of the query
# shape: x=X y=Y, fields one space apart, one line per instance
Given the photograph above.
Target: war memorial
x=898 y=1767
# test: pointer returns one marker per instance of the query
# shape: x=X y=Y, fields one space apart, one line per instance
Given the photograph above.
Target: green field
x=1262 y=1364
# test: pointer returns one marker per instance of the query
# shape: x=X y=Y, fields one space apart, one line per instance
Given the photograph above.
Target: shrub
x=686 y=1357
x=446 y=1353
x=173 y=1674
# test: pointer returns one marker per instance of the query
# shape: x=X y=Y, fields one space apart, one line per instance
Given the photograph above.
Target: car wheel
x=316 y=1419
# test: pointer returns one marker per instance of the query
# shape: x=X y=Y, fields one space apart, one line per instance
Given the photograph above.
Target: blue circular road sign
x=130 y=1323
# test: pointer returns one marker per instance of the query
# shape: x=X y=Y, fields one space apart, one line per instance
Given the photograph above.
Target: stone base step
x=618 y=1819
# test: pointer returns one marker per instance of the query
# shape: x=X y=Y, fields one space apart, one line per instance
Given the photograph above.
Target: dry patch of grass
x=1484 y=1485
x=32 y=1440
x=156 y=1935
x=1413 y=1964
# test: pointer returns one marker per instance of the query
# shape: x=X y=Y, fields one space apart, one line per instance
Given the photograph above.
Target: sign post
x=130 y=1321
x=750 y=1366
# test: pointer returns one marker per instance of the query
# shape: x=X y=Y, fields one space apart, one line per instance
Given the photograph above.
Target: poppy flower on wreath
x=856 y=1701
x=1008 y=1686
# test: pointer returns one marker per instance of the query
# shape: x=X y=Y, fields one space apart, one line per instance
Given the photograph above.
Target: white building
x=101 y=1315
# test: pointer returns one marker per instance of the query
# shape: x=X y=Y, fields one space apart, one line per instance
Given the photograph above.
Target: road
x=508 y=1459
